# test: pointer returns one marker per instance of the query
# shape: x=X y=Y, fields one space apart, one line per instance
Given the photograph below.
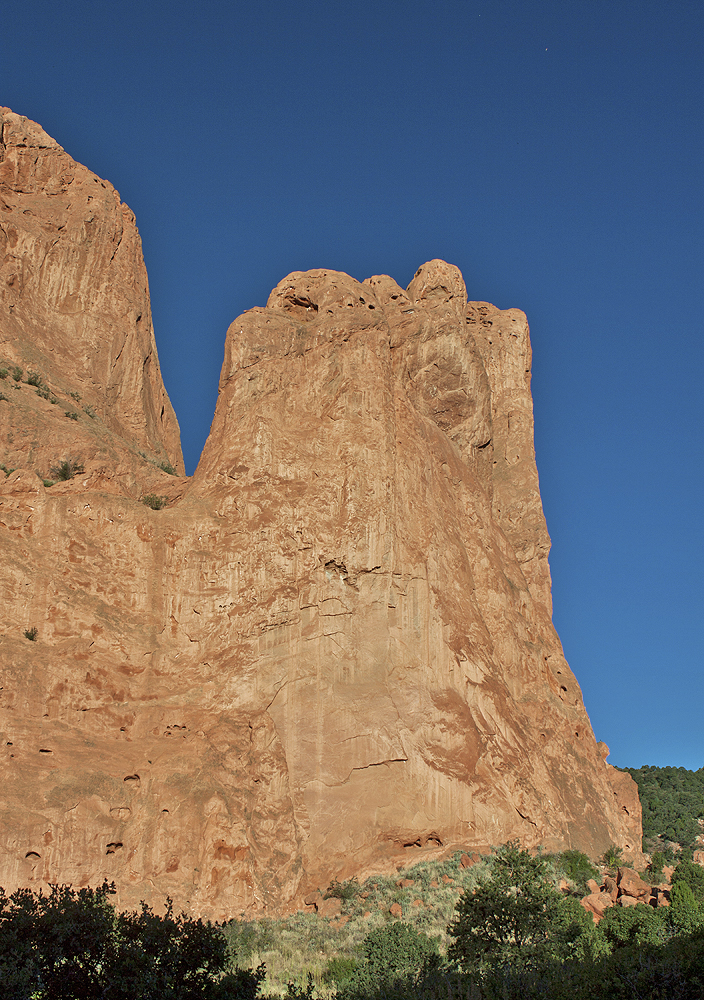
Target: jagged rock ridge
x=333 y=649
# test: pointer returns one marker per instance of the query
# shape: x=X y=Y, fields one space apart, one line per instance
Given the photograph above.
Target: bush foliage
x=72 y=945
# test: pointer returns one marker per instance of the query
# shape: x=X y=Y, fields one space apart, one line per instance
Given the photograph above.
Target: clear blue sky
x=553 y=151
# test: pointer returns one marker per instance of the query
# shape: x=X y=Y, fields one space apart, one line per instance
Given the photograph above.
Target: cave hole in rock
x=32 y=854
x=43 y=750
x=132 y=777
x=113 y=847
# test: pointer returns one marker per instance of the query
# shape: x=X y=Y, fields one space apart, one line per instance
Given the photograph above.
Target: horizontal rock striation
x=333 y=648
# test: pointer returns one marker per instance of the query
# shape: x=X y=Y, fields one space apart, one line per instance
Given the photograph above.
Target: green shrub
x=657 y=860
x=3 y=373
x=612 y=856
x=3 y=398
x=71 y=414
x=6 y=470
x=31 y=634
x=76 y=396
x=154 y=501
x=66 y=470
x=576 y=867
x=685 y=912
x=632 y=925
x=89 y=411
x=167 y=467
x=34 y=378
x=17 y=372
x=392 y=955
x=342 y=890
x=693 y=876
x=339 y=970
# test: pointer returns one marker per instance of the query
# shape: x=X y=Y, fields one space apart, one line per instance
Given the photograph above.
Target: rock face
x=333 y=648
x=75 y=312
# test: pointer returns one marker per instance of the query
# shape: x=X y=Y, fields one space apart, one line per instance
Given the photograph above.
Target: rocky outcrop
x=626 y=889
x=333 y=648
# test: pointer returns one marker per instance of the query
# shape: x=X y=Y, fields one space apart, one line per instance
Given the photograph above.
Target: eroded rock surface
x=333 y=648
x=75 y=313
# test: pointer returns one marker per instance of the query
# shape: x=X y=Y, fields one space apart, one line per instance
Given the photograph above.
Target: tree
x=517 y=917
x=632 y=925
x=392 y=954
x=693 y=876
x=685 y=913
x=72 y=945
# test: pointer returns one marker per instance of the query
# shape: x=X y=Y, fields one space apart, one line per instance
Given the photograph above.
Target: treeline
x=515 y=936
x=673 y=800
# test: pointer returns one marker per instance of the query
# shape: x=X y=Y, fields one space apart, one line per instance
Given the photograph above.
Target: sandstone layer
x=333 y=648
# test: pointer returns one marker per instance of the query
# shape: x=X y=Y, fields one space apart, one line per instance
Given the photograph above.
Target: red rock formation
x=75 y=312
x=333 y=649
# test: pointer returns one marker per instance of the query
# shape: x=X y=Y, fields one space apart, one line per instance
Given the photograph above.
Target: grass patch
x=153 y=501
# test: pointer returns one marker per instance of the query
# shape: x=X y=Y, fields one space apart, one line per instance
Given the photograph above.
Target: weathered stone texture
x=74 y=305
x=333 y=649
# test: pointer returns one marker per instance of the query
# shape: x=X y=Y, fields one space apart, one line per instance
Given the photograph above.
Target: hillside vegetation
x=673 y=801
x=512 y=935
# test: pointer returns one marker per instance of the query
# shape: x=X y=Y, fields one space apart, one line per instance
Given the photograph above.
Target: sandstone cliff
x=333 y=649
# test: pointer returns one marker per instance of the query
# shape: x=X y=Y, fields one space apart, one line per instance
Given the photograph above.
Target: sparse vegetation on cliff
x=153 y=501
x=66 y=469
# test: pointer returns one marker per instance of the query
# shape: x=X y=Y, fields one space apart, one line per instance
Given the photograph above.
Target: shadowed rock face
x=332 y=650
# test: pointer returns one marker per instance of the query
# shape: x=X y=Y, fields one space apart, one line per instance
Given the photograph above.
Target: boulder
x=611 y=886
x=597 y=903
x=631 y=884
x=328 y=907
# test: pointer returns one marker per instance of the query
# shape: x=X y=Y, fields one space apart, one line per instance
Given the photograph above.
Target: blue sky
x=552 y=151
